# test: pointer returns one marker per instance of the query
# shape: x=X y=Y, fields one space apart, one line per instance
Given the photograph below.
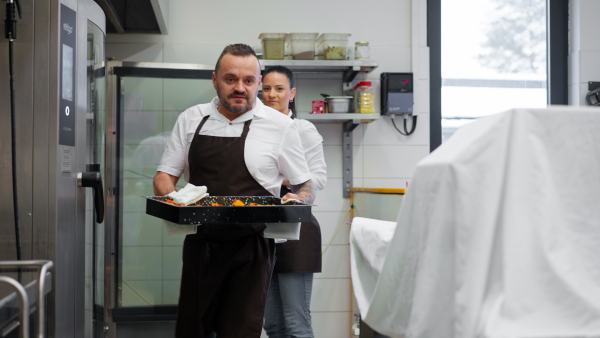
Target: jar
x=361 y=50
x=364 y=98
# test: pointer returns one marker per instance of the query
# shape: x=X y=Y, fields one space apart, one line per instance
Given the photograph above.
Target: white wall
x=584 y=48
x=396 y=30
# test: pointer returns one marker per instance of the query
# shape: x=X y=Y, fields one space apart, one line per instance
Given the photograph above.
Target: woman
x=287 y=312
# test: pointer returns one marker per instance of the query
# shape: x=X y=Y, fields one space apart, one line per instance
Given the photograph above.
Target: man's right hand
x=164 y=183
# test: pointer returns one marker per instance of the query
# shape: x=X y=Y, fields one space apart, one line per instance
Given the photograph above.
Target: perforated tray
x=203 y=213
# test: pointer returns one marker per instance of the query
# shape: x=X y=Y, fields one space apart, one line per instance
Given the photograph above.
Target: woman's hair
x=288 y=73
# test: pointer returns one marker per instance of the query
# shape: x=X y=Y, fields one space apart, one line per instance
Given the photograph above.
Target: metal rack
x=25 y=297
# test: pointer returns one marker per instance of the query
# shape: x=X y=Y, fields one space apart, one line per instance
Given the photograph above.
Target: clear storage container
x=273 y=45
x=362 y=50
x=333 y=46
x=303 y=45
x=364 y=98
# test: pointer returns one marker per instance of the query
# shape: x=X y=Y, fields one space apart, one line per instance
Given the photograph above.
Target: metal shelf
x=356 y=118
x=349 y=67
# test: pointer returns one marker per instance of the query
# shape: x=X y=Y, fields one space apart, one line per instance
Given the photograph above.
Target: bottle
x=361 y=50
x=364 y=99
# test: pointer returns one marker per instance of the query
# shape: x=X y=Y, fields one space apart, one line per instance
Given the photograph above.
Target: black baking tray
x=203 y=213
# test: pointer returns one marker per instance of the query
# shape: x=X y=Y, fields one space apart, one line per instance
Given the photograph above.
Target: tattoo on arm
x=304 y=192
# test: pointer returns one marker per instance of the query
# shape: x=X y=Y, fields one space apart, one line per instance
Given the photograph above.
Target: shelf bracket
x=347 y=129
x=350 y=74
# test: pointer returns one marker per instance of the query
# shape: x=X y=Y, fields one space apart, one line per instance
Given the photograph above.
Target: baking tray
x=204 y=213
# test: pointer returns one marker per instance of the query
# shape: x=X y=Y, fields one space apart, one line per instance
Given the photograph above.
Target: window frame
x=557 y=61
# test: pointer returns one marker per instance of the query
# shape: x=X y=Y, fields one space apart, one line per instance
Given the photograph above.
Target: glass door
x=145 y=276
x=95 y=169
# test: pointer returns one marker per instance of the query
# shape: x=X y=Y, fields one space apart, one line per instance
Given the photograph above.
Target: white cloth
x=273 y=147
x=499 y=233
x=282 y=231
x=369 y=242
x=189 y=194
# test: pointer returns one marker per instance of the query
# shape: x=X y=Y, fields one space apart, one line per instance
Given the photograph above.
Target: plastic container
x=333 y=46
x=364 y=98
x=362 y=50
x=303 y=45
x=273 y=45
x=338 y=104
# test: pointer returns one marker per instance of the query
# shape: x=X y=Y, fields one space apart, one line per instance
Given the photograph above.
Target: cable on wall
x=406 y=132
x=10 y=32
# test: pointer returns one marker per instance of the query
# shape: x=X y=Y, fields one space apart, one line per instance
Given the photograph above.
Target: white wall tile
x=141 y=293
x=333 y=160
x=391 y=59
x=422 y=72
x=142 y=263
x=386 y=183
x=171 y=263
x=140 y=229
x=180 y=94
x=336 y=262
x=574 y=66
x=332 y=324
x=331 y=222
x=589 y=25
x=330 y=294
x=171 y=292
x=393 y=161
x=142 y=94
x=140 y=125
x=330 y=198
x=331 y=132
x=201 y=53
x=382 y=131
x=422 y=97
x=589 y=65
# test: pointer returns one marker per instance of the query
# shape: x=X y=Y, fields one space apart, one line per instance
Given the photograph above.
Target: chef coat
x=273 y=147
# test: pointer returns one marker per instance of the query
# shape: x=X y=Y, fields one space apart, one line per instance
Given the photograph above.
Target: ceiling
x=131 y=16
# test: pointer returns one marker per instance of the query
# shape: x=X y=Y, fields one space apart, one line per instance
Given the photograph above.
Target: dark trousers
x=224 y=286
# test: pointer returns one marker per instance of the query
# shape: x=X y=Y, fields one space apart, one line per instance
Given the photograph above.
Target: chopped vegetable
x=238 y=203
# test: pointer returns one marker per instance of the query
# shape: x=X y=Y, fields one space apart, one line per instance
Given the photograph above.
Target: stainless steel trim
x=161 y=65
x=111 y=173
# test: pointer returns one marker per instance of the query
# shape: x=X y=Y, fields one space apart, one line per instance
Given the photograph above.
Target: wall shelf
x=356 y=118
x=349 y=67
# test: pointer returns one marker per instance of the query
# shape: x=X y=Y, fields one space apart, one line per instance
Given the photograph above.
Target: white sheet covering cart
x=498 y=234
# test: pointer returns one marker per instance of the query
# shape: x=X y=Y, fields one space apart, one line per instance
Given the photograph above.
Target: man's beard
x=236 y=109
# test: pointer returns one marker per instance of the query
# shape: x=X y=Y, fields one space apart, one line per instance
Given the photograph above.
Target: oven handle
x=93 y=179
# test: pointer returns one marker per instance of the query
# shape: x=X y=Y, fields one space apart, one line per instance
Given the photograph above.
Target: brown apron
x=303 y=255
x=226 y=267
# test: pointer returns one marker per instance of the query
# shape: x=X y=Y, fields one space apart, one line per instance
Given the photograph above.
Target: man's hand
x=302 y=192
x=164 y=183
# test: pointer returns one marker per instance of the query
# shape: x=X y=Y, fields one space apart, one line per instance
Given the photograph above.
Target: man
x=235 y=146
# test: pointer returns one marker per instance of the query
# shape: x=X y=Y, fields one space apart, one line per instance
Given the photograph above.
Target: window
x=492 y=59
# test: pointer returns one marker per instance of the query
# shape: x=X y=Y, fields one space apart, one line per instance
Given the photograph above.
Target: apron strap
x=201 y=124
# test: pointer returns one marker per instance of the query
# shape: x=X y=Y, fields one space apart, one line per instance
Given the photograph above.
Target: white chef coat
x=312 y=142
x=273 y=147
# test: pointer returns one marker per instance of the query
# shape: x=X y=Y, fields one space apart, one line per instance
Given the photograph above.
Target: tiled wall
x=198 y=31
x=584 y=49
